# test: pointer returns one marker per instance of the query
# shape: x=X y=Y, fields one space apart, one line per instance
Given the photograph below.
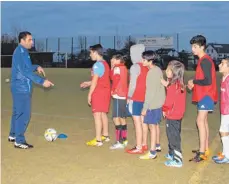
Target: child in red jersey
x=119 y=90
x=223 y=158
x=136 y=95
x=173 y=111
x=99 y=95
x=204 y=93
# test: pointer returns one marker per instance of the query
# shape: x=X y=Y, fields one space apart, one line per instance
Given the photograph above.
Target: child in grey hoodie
x=136 y=94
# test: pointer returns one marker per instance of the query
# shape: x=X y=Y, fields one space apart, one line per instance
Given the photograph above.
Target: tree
x=15 y=32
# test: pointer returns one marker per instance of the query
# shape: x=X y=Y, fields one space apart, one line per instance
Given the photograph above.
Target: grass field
x=70 y=161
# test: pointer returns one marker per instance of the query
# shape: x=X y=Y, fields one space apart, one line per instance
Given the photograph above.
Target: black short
x=119 y=108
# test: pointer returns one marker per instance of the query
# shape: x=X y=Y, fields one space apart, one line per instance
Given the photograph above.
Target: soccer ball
x=50 y=134
x=7 y=80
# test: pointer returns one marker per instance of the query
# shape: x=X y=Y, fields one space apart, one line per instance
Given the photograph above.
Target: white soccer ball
x=50 y=134
x=7 y=80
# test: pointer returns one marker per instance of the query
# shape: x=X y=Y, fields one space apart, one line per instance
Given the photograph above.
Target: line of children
x=147 y=103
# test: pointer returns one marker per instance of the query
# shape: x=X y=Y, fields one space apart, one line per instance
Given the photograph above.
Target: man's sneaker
x=117 y=145
x=23 y=145
x=135 y=150
x=144 y=147
x=173 y=163
x=148 y=156
x=168 y=156
x=222 y=161
x=219 y=156
x=125 y=143
x=11 y=139
x=29 y=145
x=105 y=138
x=94 y=142
x=158 y=148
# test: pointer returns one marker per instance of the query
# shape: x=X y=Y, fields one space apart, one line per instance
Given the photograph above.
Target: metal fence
x=75 y=45
x=74 y=51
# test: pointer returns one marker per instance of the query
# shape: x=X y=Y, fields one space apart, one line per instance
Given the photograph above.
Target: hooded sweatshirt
x=137 y=74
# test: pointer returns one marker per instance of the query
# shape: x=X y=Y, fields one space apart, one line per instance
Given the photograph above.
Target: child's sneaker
x=94 y=142
x=195 y=151
x=144 y=147
x=173 y=163
x=198 y=158
x=220 y=156
x=105 y=138
x=125 y=143
x=207 y=153
x=135 y=150
x=148 y=156
x=168 y=156
x=117 y=145
x=222 y=161
x=158 y=148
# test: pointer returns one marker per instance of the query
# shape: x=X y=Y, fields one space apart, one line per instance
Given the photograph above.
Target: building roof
x=220 y=48
x=164 y=51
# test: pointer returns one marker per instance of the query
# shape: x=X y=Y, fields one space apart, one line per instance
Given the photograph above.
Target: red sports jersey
x=224 y=105
x=119 y=77
x=175 y=101
x=200 y=92
x=140 y=90
x=100 y=100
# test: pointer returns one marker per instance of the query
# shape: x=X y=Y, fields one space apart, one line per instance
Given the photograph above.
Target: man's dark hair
x=23 y=35
x=98 y=48
x=120 y=57
x=149 y=55
x=199 y=40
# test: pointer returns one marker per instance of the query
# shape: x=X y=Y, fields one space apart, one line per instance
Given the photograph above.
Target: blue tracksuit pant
x=20 y=116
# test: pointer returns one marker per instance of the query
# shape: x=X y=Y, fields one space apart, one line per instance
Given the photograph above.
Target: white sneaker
x=11 y=139
x=105 y=138
x=117 y=145
x=125 y=143
x=158 y=148
x=148 y=156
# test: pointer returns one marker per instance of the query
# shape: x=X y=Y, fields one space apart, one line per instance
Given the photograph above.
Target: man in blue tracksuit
x=22 y=77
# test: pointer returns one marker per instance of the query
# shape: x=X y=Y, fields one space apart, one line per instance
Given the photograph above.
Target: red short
x=100 y=101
